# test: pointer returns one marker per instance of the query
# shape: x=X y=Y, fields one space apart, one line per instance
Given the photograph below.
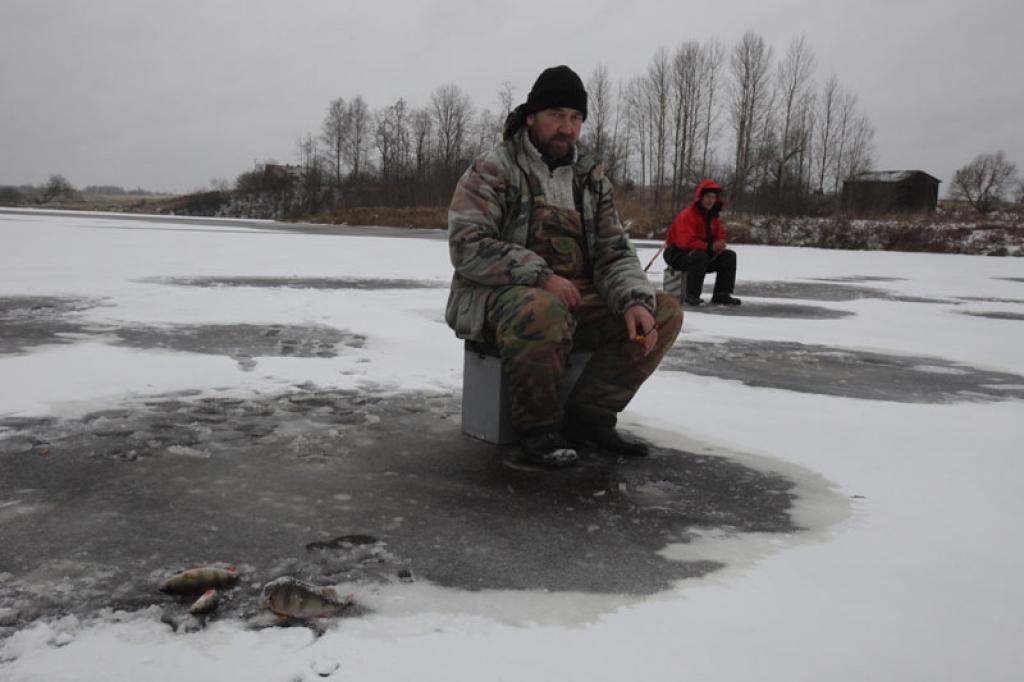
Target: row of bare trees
x=397 y=155
x=763 y=125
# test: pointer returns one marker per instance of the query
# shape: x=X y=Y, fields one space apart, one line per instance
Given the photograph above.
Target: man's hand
x=718 y=246
x=640 y=325
x=564 y=290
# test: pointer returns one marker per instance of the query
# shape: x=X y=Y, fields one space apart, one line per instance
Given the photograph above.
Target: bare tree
x=616 y=153
x=828 y=105
x=485 y=132
x=56 y=187
x=391 y=138
x=421 y=131
x=846 y=122
x=860 y=147
x=793 y=94
x=451 y=111
x=983 y=181
x=637 y=122
x=506 y=99
x=714 y=55
x=600 y=111
x=686 y=100
x=358 y=140
x=309 y=197
x=308 y=152
x=335 y=131
x=655 y=98
x=807 y=121
x=750 y=64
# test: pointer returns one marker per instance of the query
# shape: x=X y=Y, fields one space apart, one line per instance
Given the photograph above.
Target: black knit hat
x=558 y=86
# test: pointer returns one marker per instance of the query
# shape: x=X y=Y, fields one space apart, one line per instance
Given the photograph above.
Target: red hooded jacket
x=689 y=231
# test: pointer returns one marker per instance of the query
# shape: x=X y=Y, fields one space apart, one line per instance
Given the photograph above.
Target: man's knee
x=727 y=255
x=674 y=257
x=668 y=315
x=537 y=316
x=698 y=259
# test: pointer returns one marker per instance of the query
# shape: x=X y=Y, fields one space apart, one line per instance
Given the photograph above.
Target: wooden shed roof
x=890 y=176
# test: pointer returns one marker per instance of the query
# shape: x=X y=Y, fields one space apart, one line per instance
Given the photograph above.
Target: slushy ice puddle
x=378 y=494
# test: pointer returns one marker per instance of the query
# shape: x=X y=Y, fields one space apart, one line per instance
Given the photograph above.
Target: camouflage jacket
x=488 y=221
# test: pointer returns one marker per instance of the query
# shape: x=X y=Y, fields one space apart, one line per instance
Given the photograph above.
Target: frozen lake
x=833 y=491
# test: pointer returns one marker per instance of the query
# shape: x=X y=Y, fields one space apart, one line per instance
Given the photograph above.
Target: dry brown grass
x=112 y=204
x=953 y=229
x=993 y=235
x=421 y=217
x=642 y=221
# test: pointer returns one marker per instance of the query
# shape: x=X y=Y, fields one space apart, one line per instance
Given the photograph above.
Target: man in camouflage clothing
x=543 y=266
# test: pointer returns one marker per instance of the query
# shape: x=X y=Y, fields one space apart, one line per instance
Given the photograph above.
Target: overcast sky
x=170 y=95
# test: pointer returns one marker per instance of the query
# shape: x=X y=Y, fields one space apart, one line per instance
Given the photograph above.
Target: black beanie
x=558 y=86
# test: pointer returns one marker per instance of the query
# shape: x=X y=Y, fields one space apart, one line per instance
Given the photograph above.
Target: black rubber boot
x=608 y=439
x=725 y=299
x=583 y=425
x=549 y=449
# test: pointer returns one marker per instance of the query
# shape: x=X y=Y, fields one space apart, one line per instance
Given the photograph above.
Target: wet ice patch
x=824 y=291
x=31 y=321
x=941 y=369
x=31 y=307
x=990 y=299
x=322 y=283
x=841 y=372
x=859 y=278
x=243 y=342
x=345 y=486
x=26 y=503
x=774 y=310
x=995 y=314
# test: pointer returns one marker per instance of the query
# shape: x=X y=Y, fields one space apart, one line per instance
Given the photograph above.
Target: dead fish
x=206 y=603
x=292 y=598
x=200 y=579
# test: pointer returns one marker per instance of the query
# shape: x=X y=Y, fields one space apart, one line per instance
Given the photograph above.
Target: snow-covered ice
x=907 y=566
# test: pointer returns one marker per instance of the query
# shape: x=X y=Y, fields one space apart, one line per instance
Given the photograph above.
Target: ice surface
x=894 y=553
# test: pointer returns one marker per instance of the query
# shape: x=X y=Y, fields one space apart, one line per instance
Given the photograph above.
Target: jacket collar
x=529 y=157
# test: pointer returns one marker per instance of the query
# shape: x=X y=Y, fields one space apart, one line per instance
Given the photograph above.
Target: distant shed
x=888 y=191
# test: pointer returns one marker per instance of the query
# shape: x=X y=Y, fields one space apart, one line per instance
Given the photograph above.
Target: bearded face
x=554 y=132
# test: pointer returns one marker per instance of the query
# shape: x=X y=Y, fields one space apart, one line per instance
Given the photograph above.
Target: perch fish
x=206 y=603
x=292 y=598
x=200 y=579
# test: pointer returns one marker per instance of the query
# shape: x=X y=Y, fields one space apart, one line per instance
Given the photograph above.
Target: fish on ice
x=291 y=598
x=200 y=579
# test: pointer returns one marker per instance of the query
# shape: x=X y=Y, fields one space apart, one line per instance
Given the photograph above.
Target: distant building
x=891 y=191
x=283 y=171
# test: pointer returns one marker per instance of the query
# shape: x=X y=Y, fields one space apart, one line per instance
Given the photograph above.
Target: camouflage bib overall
x=556 y=235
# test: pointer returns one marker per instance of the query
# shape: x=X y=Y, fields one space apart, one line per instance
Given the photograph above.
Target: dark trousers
x=698 y=263
x=535 y=333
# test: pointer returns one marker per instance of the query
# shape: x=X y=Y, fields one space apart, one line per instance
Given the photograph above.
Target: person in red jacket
x=695 y=244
